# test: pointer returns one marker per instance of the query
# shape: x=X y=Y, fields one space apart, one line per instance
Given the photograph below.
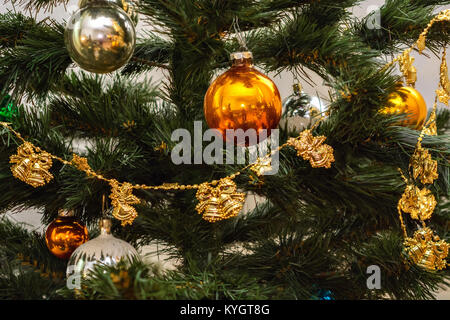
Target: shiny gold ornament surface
x=31 y=167
x=419 y=203
x=313 y=149
x=423 y=166
x=220 y=202
x=242 y=98
x=64 y=234
x=426 y=250
x=100 y=37
x=408 y=101
x=122 y=199
x=104 y=249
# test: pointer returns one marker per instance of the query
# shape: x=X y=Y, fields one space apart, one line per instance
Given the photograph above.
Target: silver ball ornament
x=100 y=37
x=129 y=6
x=102 y=250
x=316 y=107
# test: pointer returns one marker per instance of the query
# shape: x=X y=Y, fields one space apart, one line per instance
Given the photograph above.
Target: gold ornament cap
x=84 y=3
x=241 y=58
x=105 y=226
x=66 y=213
x=297 y=88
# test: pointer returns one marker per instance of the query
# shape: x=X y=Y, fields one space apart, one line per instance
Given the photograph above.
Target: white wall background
x=428 y=72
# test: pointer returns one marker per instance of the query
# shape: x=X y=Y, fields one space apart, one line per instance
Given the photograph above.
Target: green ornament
x=7 y=109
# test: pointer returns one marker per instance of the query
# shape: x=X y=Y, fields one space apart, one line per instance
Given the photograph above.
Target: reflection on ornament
x=316 y=107
x=296 y=103
x=221 y=202
x=31 y=167
x=242 y=98
x=65 y=234
x=104 y=249
x=100 y=37
x=419 y=203
x=408 y=101
x=300 y=104
x=426 y=250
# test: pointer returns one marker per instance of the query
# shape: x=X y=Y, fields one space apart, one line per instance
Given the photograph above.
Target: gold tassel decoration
x=31 y=167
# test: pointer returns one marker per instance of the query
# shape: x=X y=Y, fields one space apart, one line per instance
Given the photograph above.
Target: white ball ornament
x=102 y=250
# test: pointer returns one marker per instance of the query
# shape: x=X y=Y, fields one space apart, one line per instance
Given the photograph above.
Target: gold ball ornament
x=102 y=250
x=100 y=37
x=242 y=98
x=408 y=101
x=65 y=234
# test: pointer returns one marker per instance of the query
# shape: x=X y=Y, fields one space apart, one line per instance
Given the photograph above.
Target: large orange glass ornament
x=408 y=101
x=65 y=234
x=243 y=98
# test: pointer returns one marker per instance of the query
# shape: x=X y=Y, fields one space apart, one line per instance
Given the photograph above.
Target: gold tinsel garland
x=218 y=200
x=424 y=248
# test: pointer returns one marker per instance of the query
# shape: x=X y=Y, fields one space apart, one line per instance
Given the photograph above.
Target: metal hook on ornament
x=239 y=34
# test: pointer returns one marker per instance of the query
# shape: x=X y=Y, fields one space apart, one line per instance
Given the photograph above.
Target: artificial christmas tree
x=352 y=191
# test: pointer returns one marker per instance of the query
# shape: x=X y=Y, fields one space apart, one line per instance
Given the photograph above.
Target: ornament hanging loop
x=106 y=210
x=239 y=35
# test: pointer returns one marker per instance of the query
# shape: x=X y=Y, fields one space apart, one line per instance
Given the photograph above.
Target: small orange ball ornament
x=65 y=234
x=243 y=98
x=408 y=101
